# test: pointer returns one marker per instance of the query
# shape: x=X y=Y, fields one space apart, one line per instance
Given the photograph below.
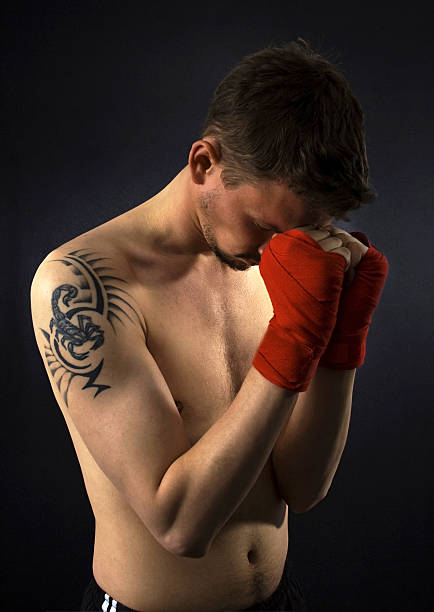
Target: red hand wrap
x=304 y=283
x=347 y=347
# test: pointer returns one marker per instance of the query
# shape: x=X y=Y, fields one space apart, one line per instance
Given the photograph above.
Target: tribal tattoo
x=74 y=337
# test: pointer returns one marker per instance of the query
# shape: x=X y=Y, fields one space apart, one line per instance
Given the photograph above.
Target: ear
x=203 y=159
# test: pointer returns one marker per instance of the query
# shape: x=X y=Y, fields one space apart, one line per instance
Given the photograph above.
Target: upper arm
x=94 y=350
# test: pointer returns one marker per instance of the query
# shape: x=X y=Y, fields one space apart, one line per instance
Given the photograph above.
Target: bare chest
x=204 y=341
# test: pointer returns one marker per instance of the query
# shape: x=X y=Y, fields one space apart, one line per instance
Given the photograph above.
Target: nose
x=264 y=244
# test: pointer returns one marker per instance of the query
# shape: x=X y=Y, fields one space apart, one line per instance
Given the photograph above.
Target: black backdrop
x=101 y=102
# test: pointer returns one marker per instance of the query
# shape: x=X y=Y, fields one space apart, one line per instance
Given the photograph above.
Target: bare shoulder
x=85 y=279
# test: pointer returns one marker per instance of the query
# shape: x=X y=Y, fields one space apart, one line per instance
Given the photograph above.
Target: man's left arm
x=308 y=451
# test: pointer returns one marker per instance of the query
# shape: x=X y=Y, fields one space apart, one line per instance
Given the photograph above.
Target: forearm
x=309 y=449
x=205 y=485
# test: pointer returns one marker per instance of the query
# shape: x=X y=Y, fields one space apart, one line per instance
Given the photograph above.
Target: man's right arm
x=205 y=485
x=106 y=378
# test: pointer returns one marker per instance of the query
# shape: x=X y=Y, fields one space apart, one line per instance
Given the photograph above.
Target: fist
x=335 y=240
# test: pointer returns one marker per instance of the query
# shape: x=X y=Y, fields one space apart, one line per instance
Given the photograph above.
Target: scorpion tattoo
x=99 y=290
x=73 y=336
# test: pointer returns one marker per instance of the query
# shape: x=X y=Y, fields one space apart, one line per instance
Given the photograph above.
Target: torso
x=203 y=341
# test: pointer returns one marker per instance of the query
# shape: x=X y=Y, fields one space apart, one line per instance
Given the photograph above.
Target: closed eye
x=266 y=229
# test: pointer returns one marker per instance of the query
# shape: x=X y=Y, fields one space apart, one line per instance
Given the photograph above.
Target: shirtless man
x=148 y=326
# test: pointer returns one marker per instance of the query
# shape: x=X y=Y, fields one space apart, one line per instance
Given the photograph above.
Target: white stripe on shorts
x=106 y=604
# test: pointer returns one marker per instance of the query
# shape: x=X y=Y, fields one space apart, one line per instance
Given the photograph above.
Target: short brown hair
x=287 y=114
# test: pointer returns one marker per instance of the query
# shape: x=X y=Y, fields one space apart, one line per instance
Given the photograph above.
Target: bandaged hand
x=304 y=283
x=360 y=296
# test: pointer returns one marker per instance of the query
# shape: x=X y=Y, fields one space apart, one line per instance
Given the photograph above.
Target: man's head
x=237 y=223
x=286 y=114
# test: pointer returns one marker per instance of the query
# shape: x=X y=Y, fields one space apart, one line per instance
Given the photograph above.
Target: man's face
x=237 y=224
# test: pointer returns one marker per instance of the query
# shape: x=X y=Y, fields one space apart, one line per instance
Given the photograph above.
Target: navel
x=252 y=555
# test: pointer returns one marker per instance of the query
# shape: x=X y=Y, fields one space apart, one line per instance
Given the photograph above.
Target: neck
x=169 y=221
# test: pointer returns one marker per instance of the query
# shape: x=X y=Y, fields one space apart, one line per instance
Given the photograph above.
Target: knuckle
x=343 y=251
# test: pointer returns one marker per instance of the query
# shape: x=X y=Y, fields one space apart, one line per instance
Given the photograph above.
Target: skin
x=356 y=250
x=186 y=246
x=199 y=217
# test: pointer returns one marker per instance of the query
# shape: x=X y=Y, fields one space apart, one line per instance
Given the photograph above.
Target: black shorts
x=287 y=596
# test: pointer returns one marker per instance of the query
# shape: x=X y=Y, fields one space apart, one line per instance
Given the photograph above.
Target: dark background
x=101 y=103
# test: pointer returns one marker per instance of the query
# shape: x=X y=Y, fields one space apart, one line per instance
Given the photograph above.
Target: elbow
x=172 y=537
x=181 y=547
x=301 y=509
x=297 y=508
